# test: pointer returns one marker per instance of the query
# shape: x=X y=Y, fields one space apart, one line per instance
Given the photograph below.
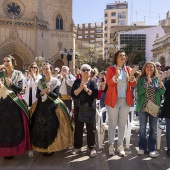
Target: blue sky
x=90 y=11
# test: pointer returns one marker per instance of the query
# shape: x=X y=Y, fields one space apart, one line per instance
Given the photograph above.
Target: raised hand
x=149 y=77
x=118 y=70
x=46 y=90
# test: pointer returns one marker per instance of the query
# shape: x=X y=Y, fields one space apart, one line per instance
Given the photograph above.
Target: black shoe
x=168 y=152
x=48 y=153
x=8 y=157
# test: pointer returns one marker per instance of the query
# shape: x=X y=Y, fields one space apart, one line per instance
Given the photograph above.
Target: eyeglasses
x=33 y=67
x=84 y=70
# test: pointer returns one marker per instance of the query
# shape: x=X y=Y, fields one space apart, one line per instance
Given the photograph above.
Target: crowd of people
x=36 y=106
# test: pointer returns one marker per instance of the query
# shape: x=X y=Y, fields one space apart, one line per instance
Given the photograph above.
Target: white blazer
x=31 y=83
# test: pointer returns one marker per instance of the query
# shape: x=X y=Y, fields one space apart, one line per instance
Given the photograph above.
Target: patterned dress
x=14 y=126
x=50 y=125
x=150 y=95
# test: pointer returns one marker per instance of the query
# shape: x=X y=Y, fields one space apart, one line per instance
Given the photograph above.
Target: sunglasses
x=84 y=70
x=33 y=67
x=158 y=66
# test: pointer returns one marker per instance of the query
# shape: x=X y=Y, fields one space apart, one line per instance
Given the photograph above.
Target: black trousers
x=78 y=132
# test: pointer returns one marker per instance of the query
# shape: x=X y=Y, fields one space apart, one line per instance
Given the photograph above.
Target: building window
x=59 y=22
x=113 y=21
x=99 y=31
x=121 y=15
x=86 y=36
x=92 y=36
x=121 y=22
x=79 y=37
x=92 y=31
x=79 y=32
x=113 y=14
x=92 y=41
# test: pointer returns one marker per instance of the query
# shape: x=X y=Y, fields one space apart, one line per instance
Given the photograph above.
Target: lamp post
x=69 y=54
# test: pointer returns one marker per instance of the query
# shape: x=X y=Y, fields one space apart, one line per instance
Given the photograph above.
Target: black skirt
x=44 y=124
x=11 y=123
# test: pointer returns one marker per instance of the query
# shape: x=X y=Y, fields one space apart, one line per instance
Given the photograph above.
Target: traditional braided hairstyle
x=14 y=63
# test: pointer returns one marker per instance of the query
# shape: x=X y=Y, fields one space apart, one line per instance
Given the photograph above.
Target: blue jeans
x=102 y=99
x=143 y=118
x=167 y=132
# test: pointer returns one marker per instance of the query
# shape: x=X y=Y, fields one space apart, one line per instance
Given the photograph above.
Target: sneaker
x=121 y=151
x=30 y=154
x=75 y=151
x=141 y=152
x=152 y=154
x=111 y=150
x=93 y=153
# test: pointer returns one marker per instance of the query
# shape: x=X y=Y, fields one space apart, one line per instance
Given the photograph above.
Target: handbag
x=152 y=108
x=87 y=114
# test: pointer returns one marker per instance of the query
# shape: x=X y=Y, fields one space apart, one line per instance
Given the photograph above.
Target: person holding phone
x=120 y=79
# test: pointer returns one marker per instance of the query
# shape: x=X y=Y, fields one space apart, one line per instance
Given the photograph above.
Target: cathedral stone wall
x=33 y=32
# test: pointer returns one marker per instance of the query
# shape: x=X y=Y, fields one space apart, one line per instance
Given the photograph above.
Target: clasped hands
x=131 y=72
x=83 y=86
x=46 y=90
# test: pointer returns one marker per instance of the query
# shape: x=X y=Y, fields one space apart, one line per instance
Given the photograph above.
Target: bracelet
x=131 y=78
x=117 y=76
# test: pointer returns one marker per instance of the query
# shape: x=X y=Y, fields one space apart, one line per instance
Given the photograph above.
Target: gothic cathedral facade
x=32 y=28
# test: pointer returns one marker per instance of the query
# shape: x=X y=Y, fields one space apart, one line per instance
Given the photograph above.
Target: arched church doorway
x=162 y=61
x=59 y=63
x=19 y=62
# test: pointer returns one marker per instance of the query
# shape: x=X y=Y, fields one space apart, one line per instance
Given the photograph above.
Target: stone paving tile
x=63 y=160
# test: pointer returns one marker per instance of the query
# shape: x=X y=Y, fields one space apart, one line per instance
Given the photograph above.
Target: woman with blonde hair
x=31 y=84
x=149 y=87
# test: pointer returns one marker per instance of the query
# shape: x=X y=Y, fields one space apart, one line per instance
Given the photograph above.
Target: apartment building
x=91 y=36
x=115 y=14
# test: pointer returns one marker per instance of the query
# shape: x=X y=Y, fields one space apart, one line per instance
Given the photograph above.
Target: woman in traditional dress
x=31 y=84
x=50 y=123
x=14 y=129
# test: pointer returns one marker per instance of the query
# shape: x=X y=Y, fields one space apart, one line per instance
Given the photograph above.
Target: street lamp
x=68 y=54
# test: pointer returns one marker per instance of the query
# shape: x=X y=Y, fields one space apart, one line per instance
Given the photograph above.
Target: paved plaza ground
x=63 y=160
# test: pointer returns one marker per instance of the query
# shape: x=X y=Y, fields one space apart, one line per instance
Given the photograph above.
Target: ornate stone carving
x=13 y=8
